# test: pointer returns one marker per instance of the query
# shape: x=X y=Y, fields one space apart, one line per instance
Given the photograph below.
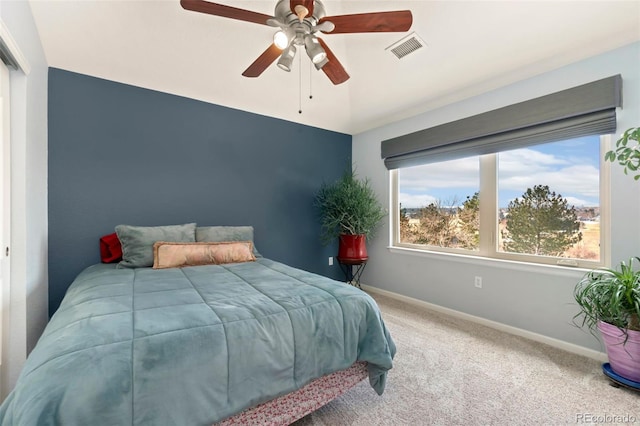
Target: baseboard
x=556 y=343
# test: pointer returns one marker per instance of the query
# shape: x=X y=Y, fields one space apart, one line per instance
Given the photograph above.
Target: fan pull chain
x=300 y=84
x=310 y=78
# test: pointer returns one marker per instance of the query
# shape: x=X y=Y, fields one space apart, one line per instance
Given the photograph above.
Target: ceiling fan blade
x=333 y=69
x=397 y=21
x=225 y=11
x=262 y=63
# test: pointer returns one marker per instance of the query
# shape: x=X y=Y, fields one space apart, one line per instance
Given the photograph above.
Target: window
x=435 y=204
x=543 y=203
x=521 y=182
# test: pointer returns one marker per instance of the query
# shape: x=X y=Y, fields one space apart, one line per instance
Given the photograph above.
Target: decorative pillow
x=137 y=241
x=110 y=248
x=215 y=234
x=175 y=255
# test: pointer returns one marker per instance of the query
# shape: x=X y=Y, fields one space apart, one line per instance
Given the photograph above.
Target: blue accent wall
x=120 y=154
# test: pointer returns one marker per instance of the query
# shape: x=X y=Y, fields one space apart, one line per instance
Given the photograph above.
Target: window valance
x=579 y=111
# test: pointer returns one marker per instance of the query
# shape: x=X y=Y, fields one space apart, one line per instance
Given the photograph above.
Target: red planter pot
x=624 y=358
x=352 y=249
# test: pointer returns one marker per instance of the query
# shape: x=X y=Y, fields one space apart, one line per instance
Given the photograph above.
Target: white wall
x=535 y=298
x=29 y=300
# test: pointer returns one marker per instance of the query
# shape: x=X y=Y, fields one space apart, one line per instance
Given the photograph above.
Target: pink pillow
x=175 y=255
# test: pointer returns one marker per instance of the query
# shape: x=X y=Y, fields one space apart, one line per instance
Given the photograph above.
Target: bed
x=196 y=345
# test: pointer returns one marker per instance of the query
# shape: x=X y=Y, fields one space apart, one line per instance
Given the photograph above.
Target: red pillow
x=110 y=248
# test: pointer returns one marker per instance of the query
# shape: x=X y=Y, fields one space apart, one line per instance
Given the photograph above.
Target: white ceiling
x=472 y=47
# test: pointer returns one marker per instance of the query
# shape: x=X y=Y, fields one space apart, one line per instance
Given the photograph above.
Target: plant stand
x=352 y=270
x=619 y=381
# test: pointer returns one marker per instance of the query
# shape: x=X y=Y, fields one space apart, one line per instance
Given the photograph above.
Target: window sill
x=538 y=268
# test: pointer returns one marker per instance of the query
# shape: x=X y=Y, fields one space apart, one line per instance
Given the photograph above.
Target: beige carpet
x=449 y=371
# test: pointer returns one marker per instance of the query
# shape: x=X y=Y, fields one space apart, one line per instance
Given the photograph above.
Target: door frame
x=12 y=356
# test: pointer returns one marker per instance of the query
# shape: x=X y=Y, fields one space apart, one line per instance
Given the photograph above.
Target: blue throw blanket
x=192 y=346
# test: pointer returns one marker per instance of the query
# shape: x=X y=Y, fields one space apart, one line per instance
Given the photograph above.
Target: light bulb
x=319 y=57
x=281 y=40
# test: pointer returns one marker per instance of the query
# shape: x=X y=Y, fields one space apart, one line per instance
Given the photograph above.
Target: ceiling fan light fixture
x=298 y=21
x=321 y=64
x=281 y=40
x=314 y=50
x=286 y=59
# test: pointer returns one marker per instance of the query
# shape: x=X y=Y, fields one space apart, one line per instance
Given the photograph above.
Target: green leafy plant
x=627 y=152
x=348 y=206
x=611 y=296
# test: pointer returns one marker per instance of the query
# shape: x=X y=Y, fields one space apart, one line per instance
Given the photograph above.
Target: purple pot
x=623 y=357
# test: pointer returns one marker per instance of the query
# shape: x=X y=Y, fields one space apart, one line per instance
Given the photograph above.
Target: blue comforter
x=192 y=346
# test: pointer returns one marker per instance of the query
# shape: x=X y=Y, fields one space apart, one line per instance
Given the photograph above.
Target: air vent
x=408 y=44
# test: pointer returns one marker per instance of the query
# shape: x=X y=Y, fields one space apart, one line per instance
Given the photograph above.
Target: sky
x=570 y=168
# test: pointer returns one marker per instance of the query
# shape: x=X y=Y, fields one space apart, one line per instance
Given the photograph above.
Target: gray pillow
x=217 y=234
x=137 y=241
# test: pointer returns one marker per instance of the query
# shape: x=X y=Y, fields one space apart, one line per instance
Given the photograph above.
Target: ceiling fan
x=299 y=21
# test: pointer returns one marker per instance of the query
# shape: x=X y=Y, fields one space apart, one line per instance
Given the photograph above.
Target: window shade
x=584 y=110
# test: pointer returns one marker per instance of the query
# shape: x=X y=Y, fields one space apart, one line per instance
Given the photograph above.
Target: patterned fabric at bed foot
x=287 y=409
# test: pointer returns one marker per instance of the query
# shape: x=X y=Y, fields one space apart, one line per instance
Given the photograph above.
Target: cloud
x=583 y=180
x=578 y=202
x=461 y=173
x=415 y=200
x=515 y=162
x=573 y=173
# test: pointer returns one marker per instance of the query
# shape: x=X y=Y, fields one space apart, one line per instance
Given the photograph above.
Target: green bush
x=348 y=206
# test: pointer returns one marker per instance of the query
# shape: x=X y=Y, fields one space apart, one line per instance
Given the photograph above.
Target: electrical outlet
x=478 y=282
x=330 y=260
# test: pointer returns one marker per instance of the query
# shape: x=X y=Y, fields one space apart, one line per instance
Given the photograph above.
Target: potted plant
x=609 y=301
x=349 y=211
